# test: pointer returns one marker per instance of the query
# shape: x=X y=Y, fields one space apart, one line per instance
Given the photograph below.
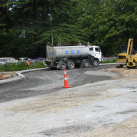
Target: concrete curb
x=19 y=76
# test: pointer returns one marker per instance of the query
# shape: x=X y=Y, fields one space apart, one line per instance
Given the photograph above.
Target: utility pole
x=51 y=24
x=51 y=32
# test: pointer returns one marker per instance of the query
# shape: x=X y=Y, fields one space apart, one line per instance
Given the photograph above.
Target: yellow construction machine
x=131 y=57
x=128 y=56
x=121 y=61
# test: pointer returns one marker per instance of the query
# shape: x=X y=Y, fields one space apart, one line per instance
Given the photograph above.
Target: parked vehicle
x=121 y=61
x=23 y=58
x=129 y=56
x=4 y=60
x=61 y=57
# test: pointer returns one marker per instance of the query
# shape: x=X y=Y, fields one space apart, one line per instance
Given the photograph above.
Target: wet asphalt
x=48 y=81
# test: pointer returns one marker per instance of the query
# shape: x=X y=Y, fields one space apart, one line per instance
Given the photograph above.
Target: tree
x=30 y=21
x=110 y=23
x=26 y=26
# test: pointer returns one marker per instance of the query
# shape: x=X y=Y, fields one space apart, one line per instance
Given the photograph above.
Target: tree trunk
x=36 y=20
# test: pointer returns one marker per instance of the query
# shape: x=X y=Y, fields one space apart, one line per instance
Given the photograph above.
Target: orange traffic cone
x=0 y=75
x=66 y=85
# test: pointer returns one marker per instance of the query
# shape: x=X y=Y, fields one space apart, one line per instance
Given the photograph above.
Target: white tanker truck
x=61 y=57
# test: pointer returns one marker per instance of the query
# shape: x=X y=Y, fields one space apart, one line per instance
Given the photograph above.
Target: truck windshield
x=97 y=49
x=91 y=49
x=123 y=48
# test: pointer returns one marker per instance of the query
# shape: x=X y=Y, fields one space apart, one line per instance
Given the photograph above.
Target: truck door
x=97 y=53
x=91 y=51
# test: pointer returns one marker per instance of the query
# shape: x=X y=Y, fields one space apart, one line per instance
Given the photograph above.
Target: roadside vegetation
x=109 y=61
x=21 y=66
x=35 y=64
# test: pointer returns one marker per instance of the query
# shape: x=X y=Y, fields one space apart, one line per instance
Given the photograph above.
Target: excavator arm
x=130 y=46
x=131 y=59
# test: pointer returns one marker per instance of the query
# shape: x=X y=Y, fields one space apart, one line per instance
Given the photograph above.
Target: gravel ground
x=101 y=109
x=47 y=81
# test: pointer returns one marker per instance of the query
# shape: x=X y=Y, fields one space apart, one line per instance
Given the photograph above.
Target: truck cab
x=95 y=51
x=121 y=61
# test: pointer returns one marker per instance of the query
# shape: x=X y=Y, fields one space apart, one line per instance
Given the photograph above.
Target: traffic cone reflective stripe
x=65 y=71
x=66 y=85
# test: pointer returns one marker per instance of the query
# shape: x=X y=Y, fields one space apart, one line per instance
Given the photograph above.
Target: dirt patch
x=125 y=71
x=62 y=101
x=127 y=128
x=6 y=75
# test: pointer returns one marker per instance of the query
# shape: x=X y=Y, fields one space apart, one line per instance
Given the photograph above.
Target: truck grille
x=122 y=57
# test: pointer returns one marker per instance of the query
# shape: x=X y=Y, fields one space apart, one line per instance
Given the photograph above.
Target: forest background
x=27 y=26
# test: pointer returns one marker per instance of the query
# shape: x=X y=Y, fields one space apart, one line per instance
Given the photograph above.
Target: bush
x=113 y=61
x=1 y=67
x=21 y=66
x=109 y=61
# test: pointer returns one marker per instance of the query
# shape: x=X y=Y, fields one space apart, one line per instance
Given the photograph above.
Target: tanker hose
x=46 y=64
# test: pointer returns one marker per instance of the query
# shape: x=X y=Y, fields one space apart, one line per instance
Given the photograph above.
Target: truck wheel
x=86 y=64
x=71 y=65
x=95 y=63
x=62 y=65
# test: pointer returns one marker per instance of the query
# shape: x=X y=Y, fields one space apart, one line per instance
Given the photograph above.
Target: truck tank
x=67 y=52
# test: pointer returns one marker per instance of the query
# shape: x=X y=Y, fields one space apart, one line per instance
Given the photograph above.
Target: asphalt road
x=48 y=81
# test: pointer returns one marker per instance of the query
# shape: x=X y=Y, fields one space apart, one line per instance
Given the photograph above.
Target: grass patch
x=21 y=66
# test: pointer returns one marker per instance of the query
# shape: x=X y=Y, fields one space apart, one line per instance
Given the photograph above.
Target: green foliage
x=37 y=64
x=109 y=61
x=26 y=31
x=113 y=61
x=26 y=26
x=20 y=66
x=110 y=23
